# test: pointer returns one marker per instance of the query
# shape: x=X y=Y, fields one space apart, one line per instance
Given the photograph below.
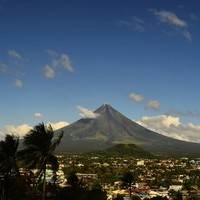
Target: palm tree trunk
x=44 y=183
x=6 y=187
x=130 y=190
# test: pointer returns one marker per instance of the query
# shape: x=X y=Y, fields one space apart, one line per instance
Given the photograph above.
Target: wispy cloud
x=172 y=127
x=16 y=58
x=135 y=22
x=38 y=115
x=136 y=97
x=49 y=72
x=14 y=54
x=18 y=83
x=170 y=18
x=51 y=53
x=193 y=16
x=15 y=67
x=183 y=113
x=86 y=113
x=57 y=61
x=65 y=61
x=4 y=68
x=178 y=25
x=187 y=35
x=153 y=105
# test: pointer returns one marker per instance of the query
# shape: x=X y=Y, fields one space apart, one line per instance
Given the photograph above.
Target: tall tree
x=128 y=178
x=8 y=165
x=40 y=144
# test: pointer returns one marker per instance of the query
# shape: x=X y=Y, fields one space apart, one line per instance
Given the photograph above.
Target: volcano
x=110 y=127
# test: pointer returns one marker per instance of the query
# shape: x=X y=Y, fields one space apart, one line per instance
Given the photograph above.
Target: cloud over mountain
x=172 y=127
x=58 y=125
x=86 y=113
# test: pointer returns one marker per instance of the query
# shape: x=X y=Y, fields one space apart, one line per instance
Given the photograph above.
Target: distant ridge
x=111 y=127
x=125 y=150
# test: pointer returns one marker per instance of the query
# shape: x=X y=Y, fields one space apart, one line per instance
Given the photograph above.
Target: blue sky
x=62 y=59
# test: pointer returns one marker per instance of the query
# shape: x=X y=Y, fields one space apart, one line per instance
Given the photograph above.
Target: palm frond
x=56 y=141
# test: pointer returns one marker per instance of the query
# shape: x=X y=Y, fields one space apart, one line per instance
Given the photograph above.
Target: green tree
x=175 y=195
x=73 y=180
x=135 y=197
x=128 y=178
x=40 y=144
x=8 y=165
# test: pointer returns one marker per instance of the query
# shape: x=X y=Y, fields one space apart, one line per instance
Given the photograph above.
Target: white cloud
x=154 y=105
x=170 y=18
x=171 y=127
x=136 y=97
x=49 y=72
x=65 y=61
x=58 y=125
x=18 y=83
x=38 y=115
x=86 y=113
x=20 y=130
x=14 y=54
x=23 y=129
x=159 y=121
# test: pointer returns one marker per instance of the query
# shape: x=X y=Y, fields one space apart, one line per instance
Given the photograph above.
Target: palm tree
x=40 y=144
x=128 y=178
x=8 y=166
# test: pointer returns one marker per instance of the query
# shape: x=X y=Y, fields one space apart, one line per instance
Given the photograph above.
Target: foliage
x=126 y=149
x=119 y=197
x=135 y=197
x=176 y=195
x=8 y=163
x=40 y=144
x=8 y=150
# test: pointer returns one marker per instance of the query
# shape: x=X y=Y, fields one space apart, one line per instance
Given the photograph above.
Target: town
x=168 y=178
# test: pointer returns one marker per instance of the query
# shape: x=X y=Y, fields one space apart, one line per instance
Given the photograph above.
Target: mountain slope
x=111 y=127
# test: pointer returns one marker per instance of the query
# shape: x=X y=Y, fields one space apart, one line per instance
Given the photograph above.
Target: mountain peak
x=112 y=127
x=104 y=107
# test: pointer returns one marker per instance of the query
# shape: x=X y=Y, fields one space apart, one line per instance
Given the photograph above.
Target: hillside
x=125 y=150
